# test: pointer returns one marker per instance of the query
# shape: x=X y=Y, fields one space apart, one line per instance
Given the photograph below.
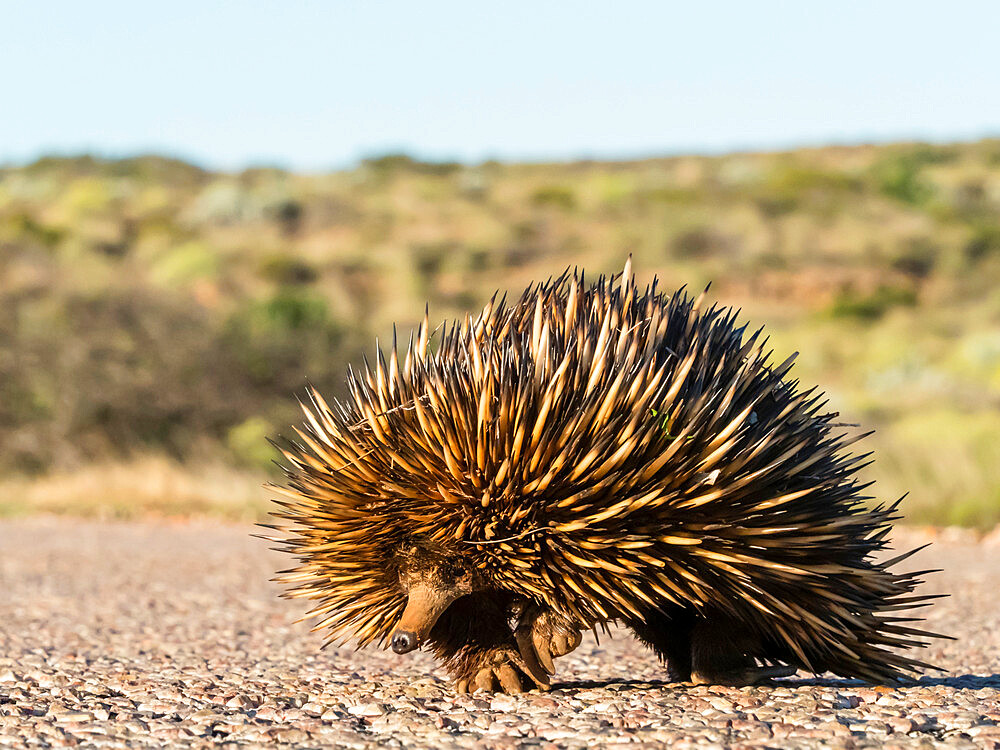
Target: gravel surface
x=158 y=633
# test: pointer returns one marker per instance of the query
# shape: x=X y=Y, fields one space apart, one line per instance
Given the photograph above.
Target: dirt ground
x=154 y=633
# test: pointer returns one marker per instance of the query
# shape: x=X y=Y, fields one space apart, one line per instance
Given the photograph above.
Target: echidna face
x=432 y=581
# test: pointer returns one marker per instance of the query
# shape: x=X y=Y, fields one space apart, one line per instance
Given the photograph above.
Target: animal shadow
x=958 y=682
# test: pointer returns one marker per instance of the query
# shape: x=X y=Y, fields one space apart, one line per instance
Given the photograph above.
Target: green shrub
x=899 y=174
x=556 y=196
x=288 y=214
x=985 y=242
x=917 y=259
x=702 y=243
x=429 y=259
x=248 y=444
x=392 y=163
x=24 y=226
x=773 y=206
x=287 y=270
x=849 y=304
x=290 y=311
x=186 y=262
x=789 y=187
x=284 y=338
x=668 y=195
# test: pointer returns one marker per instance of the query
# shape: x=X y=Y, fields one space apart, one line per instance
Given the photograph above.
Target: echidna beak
x=424 y=605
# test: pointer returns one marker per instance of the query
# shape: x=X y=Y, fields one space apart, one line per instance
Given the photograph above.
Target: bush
x=287 y=270
x=23 y=226
x=288 y=214
x=985 y=241
x=186 y=262
x=112 y=373
x=917 y=259
x=556 y=196
x=130 y=370
x=899 y=175
x=393 y=163
x=248 y=444
x=849 y=304
x=282 y=339
x=703 y=242
x=791 y=186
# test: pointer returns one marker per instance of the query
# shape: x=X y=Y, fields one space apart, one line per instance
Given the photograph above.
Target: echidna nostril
x=403 y=642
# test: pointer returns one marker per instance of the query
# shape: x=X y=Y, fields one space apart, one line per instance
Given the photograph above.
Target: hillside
x=156 y=318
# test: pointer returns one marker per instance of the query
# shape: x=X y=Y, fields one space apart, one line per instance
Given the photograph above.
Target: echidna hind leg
x=722 y=655
x=478 y=647
x=668 y=633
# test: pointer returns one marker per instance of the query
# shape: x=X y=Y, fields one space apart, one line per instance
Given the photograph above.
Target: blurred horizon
x=320 y=87
x=415 y=157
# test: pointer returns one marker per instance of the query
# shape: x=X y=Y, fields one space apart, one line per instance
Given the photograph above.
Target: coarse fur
x=593 y=454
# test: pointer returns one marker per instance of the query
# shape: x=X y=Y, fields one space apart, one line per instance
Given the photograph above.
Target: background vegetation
x=156 y=319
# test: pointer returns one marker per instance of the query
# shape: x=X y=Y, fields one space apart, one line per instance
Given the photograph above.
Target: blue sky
x=315 y=85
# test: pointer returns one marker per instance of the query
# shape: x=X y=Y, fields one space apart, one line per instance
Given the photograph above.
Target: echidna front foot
x=479 y=648
x=499 y=670
x=542 y=635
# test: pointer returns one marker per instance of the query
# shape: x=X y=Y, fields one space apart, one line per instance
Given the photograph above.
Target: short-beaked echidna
x=593 y=454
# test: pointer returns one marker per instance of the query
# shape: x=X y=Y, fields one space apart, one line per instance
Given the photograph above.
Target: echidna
x=593 y=454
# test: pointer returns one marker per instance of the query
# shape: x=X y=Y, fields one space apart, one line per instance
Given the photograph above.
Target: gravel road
x=149 y=634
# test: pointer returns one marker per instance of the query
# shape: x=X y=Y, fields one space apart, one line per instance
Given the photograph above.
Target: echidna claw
x=509 y=681
x=484 y=679
x=536 y=668
x=564 y=642
x=544 y=657
x=542 y=636
x=498 y=672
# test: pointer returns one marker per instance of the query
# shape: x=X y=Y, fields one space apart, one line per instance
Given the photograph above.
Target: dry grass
x=147 y=486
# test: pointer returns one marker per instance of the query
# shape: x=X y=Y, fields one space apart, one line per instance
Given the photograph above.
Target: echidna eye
x=452 y=571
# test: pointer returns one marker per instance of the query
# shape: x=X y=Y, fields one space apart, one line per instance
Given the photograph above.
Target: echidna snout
x=424 y=605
